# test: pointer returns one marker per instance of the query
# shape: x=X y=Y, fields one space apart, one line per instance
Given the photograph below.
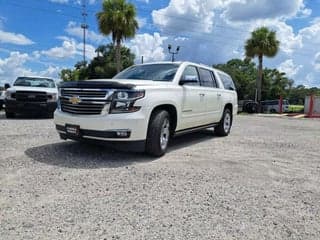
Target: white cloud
x=59 y=1
x=67 y=50
x=141 y=22
x=316 y=62
x=79 y=2
x=14 y=38
x=75 y=30
x=148 y=46
x=289 y=68
x=15 y=65
x=183 y=16
x=248 y=10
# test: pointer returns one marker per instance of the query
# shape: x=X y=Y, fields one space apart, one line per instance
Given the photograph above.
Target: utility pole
x=84 y=26
x=173 y=53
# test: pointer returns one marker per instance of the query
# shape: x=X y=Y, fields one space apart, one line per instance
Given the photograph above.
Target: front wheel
x=223 y=129
x=158 y=133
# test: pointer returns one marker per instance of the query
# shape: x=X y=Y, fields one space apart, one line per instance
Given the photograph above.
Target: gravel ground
x=261 y=182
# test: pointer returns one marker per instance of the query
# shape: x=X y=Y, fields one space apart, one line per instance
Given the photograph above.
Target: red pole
x=310 y=113
x=280 y=105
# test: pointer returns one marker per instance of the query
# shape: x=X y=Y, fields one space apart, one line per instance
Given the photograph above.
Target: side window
x=227 y=82
x=206 y=78
x=191 y=73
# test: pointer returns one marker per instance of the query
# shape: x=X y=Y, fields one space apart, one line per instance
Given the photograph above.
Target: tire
x=158 y=135
x=10 y=114
x=223 y=129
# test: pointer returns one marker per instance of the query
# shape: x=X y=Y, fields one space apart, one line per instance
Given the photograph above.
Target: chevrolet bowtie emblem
x=75 y=100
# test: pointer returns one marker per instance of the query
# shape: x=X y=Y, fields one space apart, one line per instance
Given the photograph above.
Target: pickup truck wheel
x=10 y=115
x=223 y=129
x=158 y=133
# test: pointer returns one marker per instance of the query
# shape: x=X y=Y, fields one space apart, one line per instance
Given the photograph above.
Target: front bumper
x=29 y=107
x=109 y=127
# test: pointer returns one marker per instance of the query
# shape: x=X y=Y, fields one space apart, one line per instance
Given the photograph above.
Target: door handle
x=219 y=94
x=201 y=94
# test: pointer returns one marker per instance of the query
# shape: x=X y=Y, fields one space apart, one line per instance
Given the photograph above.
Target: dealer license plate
x=73 y=130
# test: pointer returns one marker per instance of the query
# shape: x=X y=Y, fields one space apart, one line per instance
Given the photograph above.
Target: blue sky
x=40 y=37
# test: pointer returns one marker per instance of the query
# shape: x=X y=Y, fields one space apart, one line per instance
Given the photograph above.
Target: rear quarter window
x=227 y=81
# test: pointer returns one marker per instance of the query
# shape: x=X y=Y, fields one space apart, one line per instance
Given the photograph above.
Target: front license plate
x=73 y=130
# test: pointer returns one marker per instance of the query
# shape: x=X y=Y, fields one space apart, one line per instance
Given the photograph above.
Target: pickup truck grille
x=84 y=102
x=26 y=96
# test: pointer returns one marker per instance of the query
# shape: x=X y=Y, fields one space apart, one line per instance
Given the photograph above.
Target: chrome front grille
x=84 y=102
x=83 y=93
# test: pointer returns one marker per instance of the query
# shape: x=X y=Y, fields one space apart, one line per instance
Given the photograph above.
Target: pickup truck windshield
x=34 y=82
x=154 y=72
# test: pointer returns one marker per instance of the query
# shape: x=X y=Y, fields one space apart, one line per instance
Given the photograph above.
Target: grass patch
x=296 y=108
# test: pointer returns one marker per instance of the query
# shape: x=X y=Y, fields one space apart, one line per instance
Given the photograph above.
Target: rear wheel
x=158 y=133
x=223 y=129
x=10 y=115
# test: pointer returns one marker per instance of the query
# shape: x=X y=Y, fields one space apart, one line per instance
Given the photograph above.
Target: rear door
x=212 y=96
x=193 y=101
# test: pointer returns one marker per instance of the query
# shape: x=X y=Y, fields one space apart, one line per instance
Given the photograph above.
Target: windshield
x=34 y=82
x=154 y=72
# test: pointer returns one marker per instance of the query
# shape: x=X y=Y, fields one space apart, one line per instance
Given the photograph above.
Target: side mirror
x=6 y=86
x=188 y=79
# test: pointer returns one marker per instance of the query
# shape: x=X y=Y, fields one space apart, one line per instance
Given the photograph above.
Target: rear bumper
x=30 y=107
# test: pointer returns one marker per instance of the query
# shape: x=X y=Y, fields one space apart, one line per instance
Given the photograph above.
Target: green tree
x=275 y=84
x=263 y=42
x=103 y=66
x=244 y=75
x=117 y=18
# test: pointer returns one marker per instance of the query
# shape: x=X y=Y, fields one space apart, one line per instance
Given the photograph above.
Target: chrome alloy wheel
x=227 y=122
x=165 y=134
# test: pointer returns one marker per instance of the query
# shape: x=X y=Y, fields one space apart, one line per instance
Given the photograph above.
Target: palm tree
x=117 y=18
x=263 y=42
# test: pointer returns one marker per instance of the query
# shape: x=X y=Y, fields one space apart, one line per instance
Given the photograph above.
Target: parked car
x=248 y=106
x=145 y=105
x=273 y=106
x=31 y=95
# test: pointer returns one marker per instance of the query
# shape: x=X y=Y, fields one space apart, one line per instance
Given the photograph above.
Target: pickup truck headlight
x=123 y=101
x=10 y=95
x=52 y=97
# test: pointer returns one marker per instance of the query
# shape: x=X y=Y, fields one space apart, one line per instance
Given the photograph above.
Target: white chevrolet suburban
x=145 y=105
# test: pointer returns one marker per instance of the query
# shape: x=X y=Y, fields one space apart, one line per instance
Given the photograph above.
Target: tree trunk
x=118 y=55
x=259 y=82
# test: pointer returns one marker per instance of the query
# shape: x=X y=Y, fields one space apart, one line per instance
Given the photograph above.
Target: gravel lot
x=261 y=182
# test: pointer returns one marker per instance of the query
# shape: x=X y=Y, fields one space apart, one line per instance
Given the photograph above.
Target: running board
x=190 y=130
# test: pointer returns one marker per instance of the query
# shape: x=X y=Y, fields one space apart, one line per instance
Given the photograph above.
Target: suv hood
x=33 y=89
x=113 y=84
x=136 y=82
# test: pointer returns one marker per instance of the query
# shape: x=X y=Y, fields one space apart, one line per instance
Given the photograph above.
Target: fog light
x=123 y=134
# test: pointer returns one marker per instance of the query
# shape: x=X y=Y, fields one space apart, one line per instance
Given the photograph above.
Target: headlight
x=52 y=97
x=123 y=101
x=10 y=95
